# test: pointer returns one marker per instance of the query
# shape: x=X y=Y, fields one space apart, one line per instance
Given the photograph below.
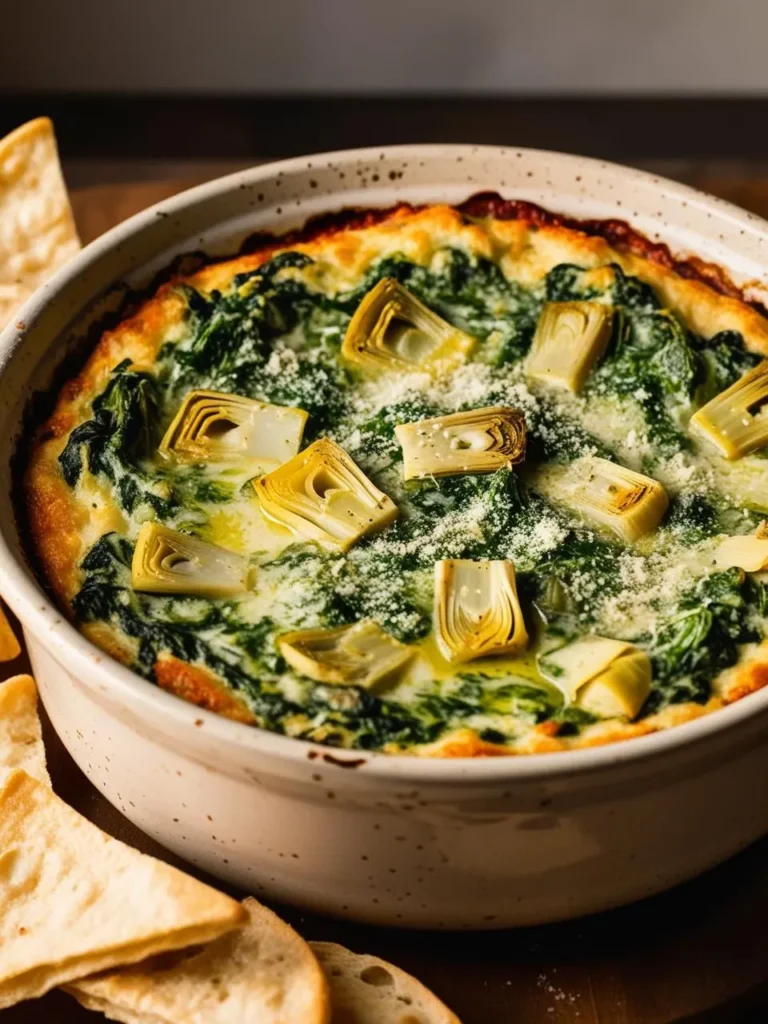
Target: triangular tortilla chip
x=265 y=974
x=366 y=990
x=9 y=644
x=74 y=901
x=37 y=230
x=21 y=738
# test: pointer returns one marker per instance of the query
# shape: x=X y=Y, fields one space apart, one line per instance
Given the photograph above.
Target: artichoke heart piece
x=393 y=330
x=321 y=495
x=626 y=502
x=478 y=441
x=358 y=655
x=212 y=426
x=477 y=611
x=749 y=553
x=609 y=678
x=736 y=420
x=621 y=690
x=570 y=338
x=168 y=562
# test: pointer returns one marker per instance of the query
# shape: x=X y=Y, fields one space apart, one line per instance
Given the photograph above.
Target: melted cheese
x=306 y=592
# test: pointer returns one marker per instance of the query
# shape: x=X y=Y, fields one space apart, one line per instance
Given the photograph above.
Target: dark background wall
x=519 y=47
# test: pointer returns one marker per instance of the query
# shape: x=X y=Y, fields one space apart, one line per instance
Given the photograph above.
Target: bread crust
x=366 y=988
x=526 y=242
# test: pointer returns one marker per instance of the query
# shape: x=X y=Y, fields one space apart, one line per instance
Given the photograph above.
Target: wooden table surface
x=699 y=953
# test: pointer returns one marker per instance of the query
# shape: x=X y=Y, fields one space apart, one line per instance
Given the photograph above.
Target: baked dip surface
x=448 y=481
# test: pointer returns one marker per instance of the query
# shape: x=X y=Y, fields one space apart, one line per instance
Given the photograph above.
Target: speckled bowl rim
x=46 y=623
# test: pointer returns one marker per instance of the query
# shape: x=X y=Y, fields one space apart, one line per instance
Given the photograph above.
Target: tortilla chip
x=21 y=738
x=366 y=990
x=37 y=230
x=9 y=645
x=74 y=901
x=265 y=973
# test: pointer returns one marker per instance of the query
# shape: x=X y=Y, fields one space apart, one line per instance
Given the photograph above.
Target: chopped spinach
x=652 y=362
x=585 y=569
x=700 y=639
x=473 y=695
x=117 y=438
x=233 y=343
x=723 y=359
x=692 y=517
x=651 y=359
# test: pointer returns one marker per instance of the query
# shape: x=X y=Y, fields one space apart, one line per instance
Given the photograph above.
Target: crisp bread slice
x=74 y=901
x=21 y=739
x=37 y=230
x=366 y=990
x=265 y=973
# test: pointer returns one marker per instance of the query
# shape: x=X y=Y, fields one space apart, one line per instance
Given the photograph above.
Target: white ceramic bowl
x=460 y=844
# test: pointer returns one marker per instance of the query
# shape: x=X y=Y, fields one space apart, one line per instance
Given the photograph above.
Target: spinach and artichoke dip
x=445 y=481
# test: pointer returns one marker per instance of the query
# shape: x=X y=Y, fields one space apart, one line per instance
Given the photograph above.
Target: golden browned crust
x=197 y=685
x=526 y=248
x=57 y=520
x=463 y=743
x=749 y=676
x=116 y=645
x=544 y=738
x=750 y=679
